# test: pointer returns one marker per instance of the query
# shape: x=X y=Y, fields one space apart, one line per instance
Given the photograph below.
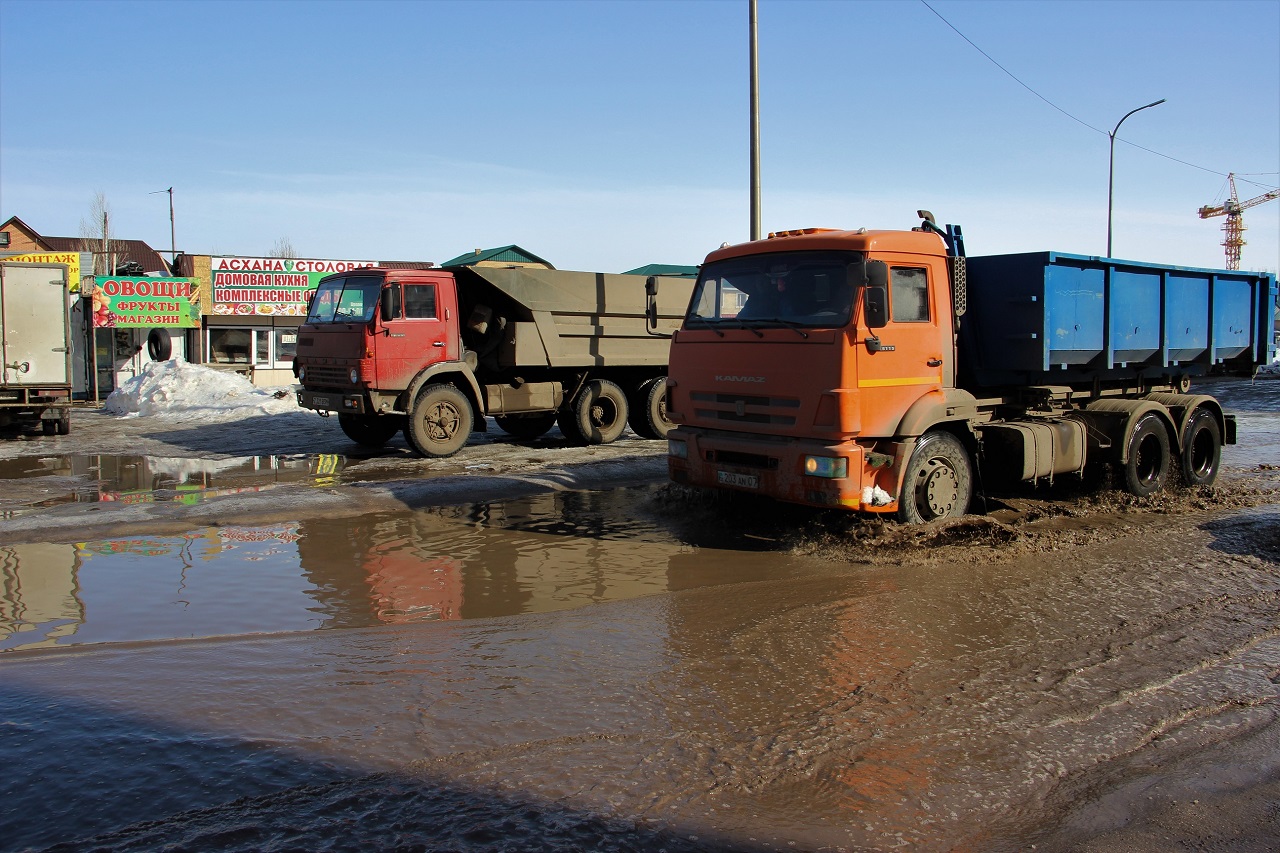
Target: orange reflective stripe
x=905 y=380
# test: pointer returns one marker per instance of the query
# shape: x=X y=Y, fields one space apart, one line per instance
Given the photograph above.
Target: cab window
x=420 y=300
x=909 y=295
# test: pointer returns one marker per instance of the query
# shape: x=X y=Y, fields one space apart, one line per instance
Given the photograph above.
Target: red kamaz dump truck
x=885 y=372
x=433 y=352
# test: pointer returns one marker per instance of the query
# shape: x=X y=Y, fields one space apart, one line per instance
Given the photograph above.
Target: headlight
x=355 y=375
x=825 y=466
x=302 y=373
x=678 y=449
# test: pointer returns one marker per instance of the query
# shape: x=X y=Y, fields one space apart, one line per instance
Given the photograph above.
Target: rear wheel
x=938 y=481
x=49 y=427
x=64 y=426
x=648 y=417
x=598 y=415
x=526 y=426
x=369 y=430
x=440 y=421
x=1201 y=449
x=1146 y=468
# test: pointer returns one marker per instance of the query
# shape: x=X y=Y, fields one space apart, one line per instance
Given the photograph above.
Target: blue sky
x=606 y=135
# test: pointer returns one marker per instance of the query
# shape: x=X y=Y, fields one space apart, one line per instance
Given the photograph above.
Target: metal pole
x=173 y=239
x=755 y=130
x=1111 y=171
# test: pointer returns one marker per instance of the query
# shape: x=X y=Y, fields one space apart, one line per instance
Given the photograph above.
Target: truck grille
x=329 y=375
x=744 y=409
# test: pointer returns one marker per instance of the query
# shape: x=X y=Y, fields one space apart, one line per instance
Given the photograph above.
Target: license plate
x=318 y=402
x=742 y=481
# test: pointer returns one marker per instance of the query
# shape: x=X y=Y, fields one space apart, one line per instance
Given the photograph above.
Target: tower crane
x=1234 y=227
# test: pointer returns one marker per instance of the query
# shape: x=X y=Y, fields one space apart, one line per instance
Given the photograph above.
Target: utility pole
x=755 y=130
x=173 y=241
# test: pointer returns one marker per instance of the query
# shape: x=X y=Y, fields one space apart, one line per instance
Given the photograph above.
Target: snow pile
x=177 y=388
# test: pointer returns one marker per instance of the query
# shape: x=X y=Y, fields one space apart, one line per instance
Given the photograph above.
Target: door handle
x=934 y=362
x=438 y=344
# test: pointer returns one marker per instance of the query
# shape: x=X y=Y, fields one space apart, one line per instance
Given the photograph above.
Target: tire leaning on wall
x=159 y=345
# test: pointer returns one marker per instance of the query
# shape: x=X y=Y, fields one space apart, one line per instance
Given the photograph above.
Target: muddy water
x=546 y=552
x=632 y=670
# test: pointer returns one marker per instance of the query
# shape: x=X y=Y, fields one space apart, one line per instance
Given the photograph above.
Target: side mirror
x=651 y=302
x=390 y=303
x=875 y=295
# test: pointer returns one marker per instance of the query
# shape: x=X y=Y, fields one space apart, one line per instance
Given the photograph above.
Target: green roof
x=510 y=254
x=665 y=269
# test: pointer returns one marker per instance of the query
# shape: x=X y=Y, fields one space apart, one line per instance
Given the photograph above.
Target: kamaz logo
x=739 y=378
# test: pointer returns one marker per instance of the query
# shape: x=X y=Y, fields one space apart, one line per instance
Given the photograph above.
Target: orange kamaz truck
x=886 y=372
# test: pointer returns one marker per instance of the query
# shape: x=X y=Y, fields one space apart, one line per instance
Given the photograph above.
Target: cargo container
x=35 y=342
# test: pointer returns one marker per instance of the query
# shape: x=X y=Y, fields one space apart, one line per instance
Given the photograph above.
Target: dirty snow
x=179 y=389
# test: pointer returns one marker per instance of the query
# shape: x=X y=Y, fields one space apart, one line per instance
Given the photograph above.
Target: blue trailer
x=1050 y=318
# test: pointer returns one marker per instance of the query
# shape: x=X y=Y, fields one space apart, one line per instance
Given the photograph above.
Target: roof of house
x=496 y=257
x=665 y=269
x=125 y=251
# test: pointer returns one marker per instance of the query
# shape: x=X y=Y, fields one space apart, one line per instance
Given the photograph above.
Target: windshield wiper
x=790 y=324
x=705 y=324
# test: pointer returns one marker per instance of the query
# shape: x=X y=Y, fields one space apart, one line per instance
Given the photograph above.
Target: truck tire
x=525 y=426
x=64 y=426
x=648 y=404
x=1146 y=469
x=159 y=345
x=1201 y=448
x=369 y=430
x=439 y=422
x=598 y=415
x=938 y=481
x=49 y=427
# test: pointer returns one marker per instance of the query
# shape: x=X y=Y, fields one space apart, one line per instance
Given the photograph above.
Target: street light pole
x=1111 y=172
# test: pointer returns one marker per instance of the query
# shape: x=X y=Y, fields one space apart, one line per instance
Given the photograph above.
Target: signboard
x=270 y=287
x=71 y=259
x=143 y=303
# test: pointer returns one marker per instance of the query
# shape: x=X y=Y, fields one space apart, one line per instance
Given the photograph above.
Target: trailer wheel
x=525 y=426
x=49 y=427
x=598 y=415
x=1147 y=468
x=369 y=430
x=938 y=482
x=648 y=404
x=1201 y=449
x=63 y=426
x=439 y=422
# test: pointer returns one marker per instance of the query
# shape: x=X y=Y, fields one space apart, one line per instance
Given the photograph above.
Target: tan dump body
x=559 y=318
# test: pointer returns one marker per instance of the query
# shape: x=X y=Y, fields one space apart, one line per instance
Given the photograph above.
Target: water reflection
x=80 y=478
x=541 y=553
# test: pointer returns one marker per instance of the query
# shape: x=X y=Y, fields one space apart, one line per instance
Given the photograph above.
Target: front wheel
x=439 y=422
x=938 y=481
x=1201 y=449
x=368 y=430
x=1147 y=463
x=598 y=415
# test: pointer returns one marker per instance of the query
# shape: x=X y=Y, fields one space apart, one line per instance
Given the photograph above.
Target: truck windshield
x=345 y=300
x=809 y=289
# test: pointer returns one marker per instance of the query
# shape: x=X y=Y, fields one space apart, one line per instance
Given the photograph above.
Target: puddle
x=546 y=552
x=39 y=481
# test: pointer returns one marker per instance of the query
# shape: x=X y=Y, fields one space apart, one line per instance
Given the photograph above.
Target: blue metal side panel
x=1232 y=316
x=1134 y=316
x=1186 y=313
x=1074 y=304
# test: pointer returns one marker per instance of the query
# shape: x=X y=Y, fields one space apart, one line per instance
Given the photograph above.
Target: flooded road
x=638 y=669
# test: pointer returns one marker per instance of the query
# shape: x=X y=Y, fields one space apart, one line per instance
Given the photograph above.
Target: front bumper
x=332 y=401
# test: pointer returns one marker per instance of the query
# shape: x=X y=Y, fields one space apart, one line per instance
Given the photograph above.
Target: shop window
x=286 y=345
x=230 y=346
